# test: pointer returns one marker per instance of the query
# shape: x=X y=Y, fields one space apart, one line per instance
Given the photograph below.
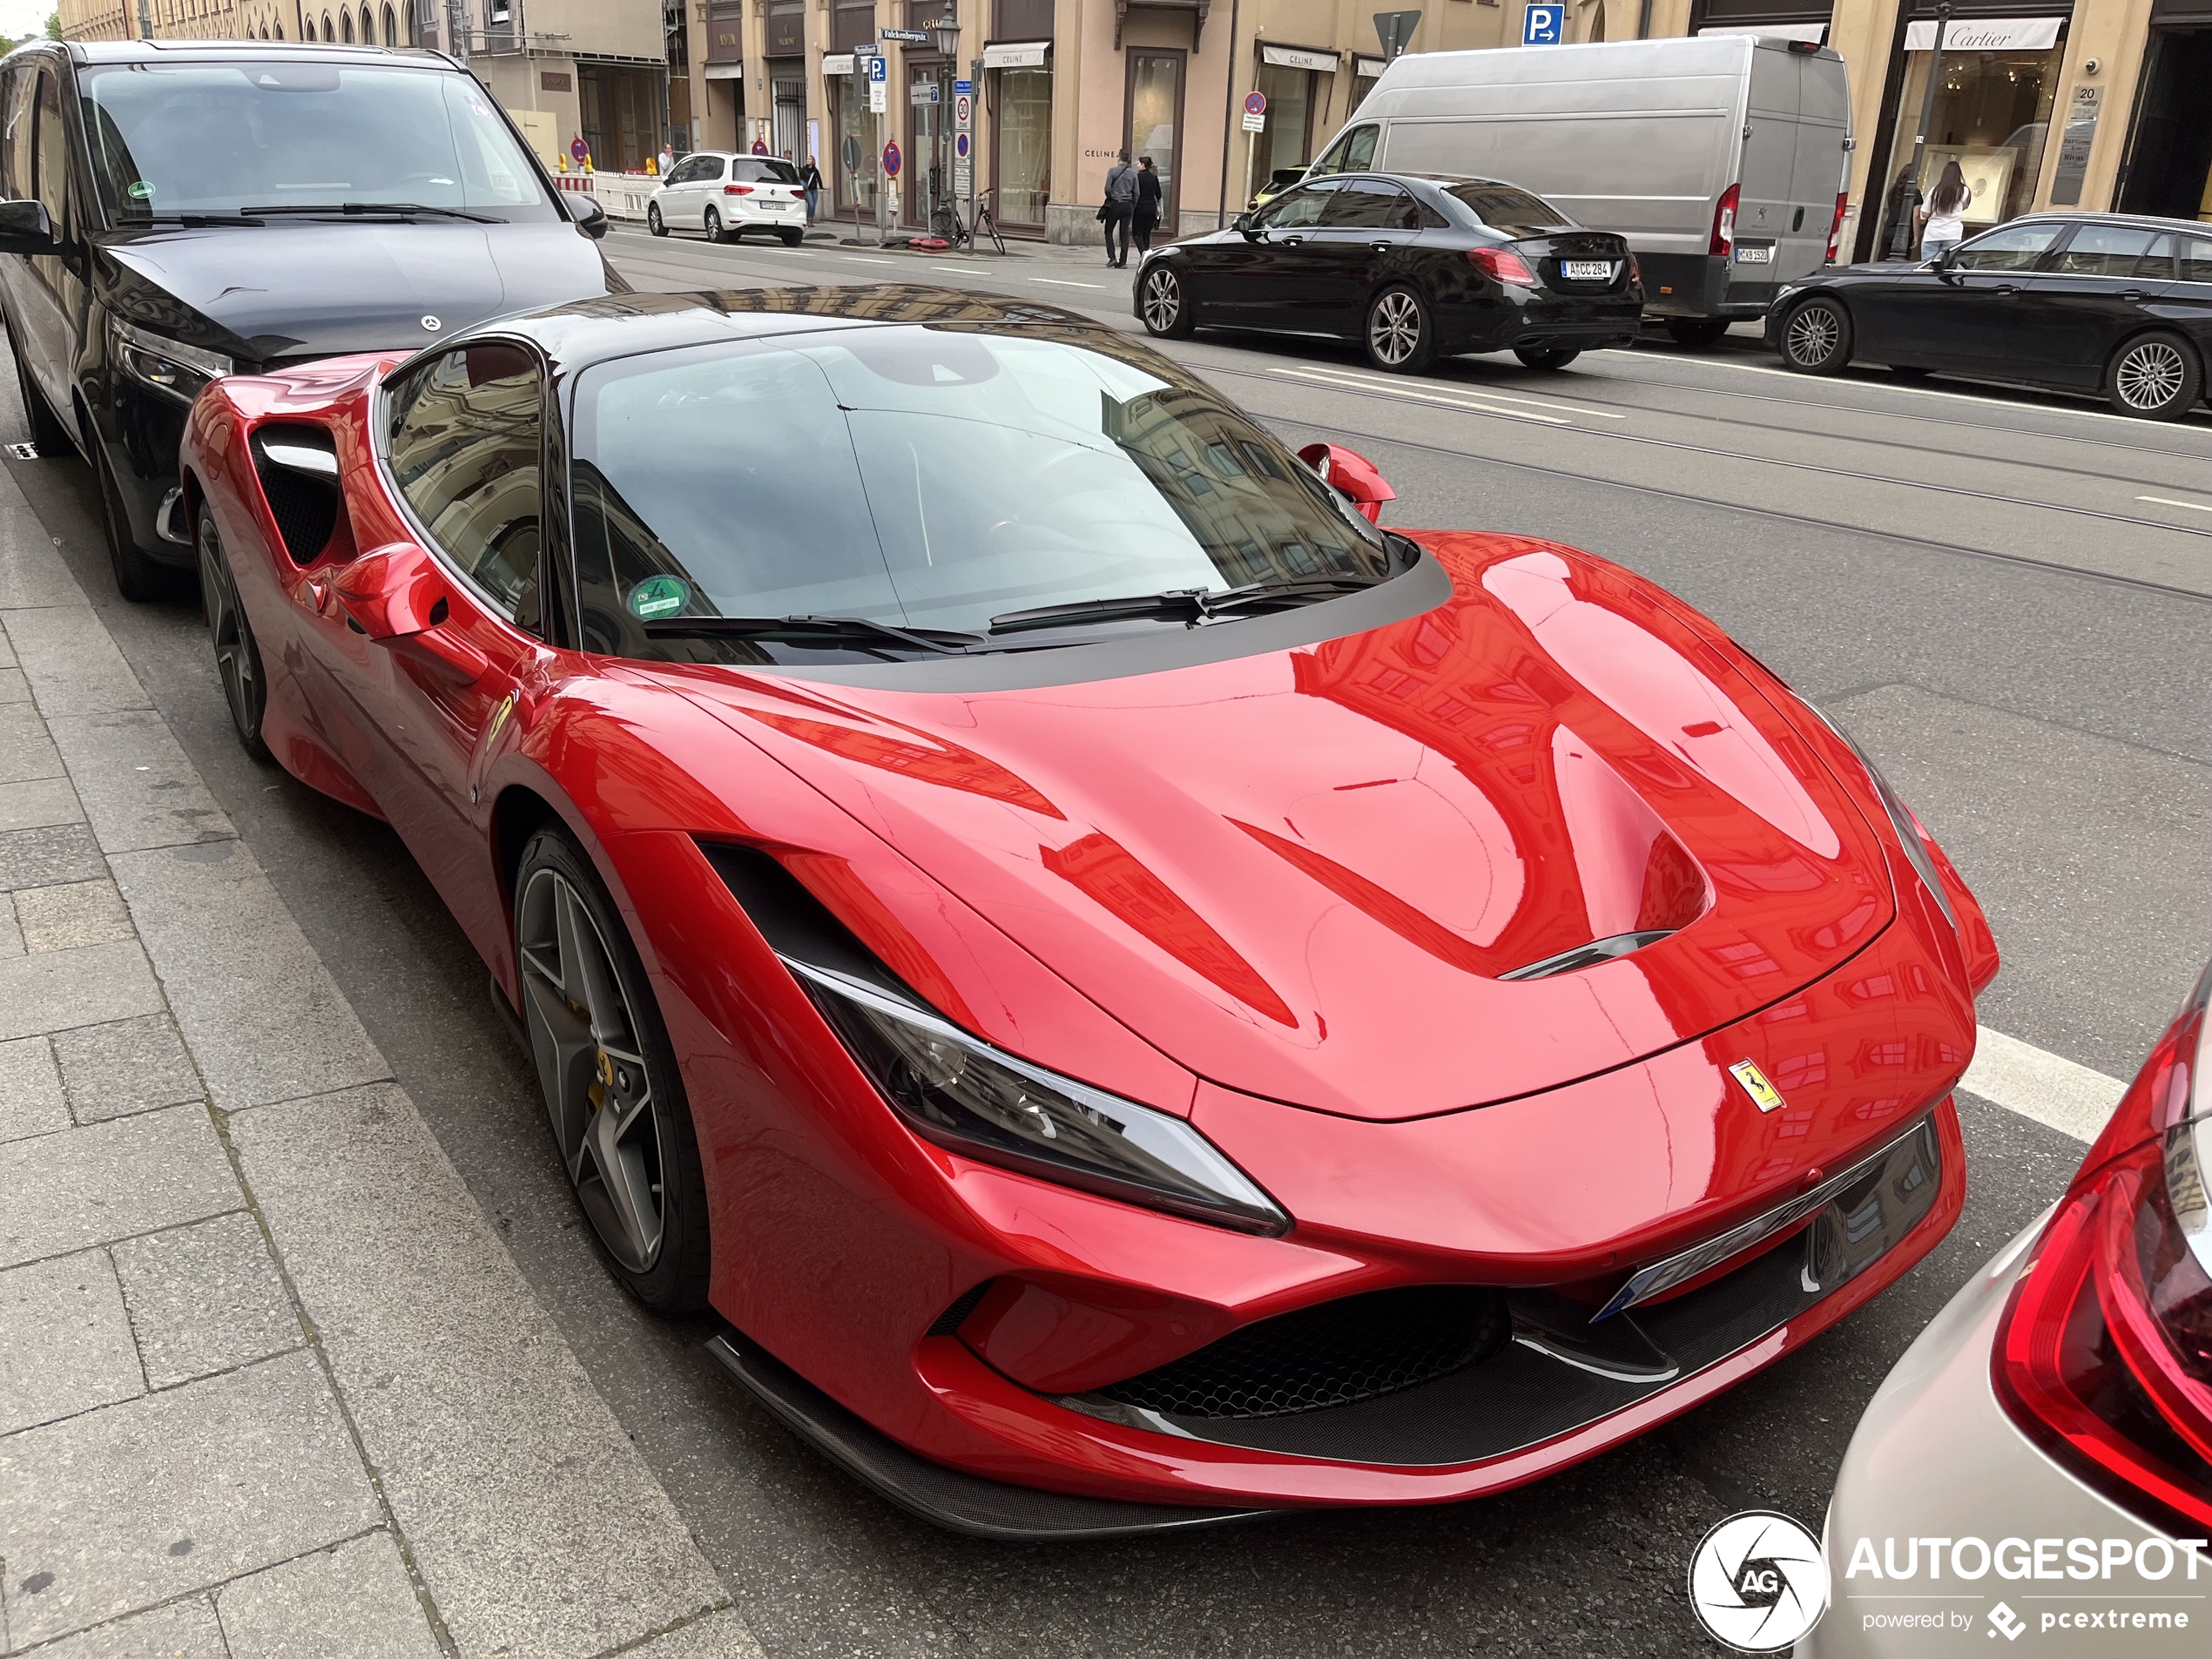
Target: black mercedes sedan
x=2070 y=302
x=1415 y=265
x=179 y=211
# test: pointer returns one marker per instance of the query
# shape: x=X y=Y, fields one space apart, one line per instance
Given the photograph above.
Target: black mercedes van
x=175 y=212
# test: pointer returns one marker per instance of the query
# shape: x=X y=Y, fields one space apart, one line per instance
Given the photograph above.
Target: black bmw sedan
x=2072 y=302
x=1415 y=264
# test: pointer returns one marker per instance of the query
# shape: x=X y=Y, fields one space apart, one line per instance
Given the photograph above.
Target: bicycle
x=945 y=222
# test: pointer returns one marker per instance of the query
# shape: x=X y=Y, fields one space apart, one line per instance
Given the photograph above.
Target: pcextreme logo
x=2092 y=1594
x=1759 y=1582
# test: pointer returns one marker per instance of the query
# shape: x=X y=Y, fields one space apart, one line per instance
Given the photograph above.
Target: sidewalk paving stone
x=204 y=1299
x=41 y=857
x=354 y=1601
x=125 y=1066
x=718 y=1636
x=56 y=989
x=25 y=750
x=90 y=1186
x=33 y=575
x=139 y=787
x=71 y=915
x=119 y=1509
x=65 y=1343
x=259 y=1011
x=10 y=934
x=36 y=802
x=32 y=1102
x=181 y=1630
x=65 y=652
x=513 y=1482
x=14 y=688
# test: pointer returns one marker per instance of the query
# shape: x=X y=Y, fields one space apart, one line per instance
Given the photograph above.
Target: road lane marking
x=868 y=258
x=2168 y=501
x=2042 y=1086
x=1326 y=377
x=1062 y=282
x=1352 y=377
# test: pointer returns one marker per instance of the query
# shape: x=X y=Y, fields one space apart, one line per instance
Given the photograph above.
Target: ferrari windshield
x=214 y=139
x=937 y=478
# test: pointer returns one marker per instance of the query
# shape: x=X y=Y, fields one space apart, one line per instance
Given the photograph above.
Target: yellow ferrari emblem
x=1765 y=1094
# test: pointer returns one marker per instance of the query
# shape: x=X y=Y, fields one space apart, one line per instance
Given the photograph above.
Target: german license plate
x=1586 y=270
x=776 y=207
x=1755 y=256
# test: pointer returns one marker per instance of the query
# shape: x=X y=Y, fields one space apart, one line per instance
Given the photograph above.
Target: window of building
x=1155 y=107
x=1023 y=144
x=1288 y=141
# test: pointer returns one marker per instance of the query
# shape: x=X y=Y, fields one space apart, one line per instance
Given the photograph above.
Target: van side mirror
x=591 y=218
x=1353 y=476
x=24 y=229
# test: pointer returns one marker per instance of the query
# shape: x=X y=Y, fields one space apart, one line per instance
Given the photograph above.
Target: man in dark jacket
x=1148 y=204
x=809 y=180
x=1119 y=207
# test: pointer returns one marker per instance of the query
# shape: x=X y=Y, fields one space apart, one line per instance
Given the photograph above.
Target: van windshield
x=1508 y=210
x=169 y=138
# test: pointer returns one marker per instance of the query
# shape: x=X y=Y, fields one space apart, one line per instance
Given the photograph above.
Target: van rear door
x=1796 y=118
x=1819 y=175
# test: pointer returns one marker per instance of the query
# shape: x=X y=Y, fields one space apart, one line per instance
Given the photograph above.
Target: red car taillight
x=1503 y=263
x=1724 y=222
x=1835 y=225
x=2104 y=1354
x=737 y=190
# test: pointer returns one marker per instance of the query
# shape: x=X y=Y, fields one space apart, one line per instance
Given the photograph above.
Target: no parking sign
x=892 y=160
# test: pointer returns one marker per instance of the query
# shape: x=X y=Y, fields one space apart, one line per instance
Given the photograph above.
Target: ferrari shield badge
x=1765 y=1094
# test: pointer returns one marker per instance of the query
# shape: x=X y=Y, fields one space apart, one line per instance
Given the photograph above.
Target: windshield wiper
x=190 y=221
x=1184 y=604
x=863 y=631
x=356 y=210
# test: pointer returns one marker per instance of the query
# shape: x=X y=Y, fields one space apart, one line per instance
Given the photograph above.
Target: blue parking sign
x=1543 y=25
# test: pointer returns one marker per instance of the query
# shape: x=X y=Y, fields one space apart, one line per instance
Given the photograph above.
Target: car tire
x=1816 y=337
x=237 y=653
x=1163 y=303
x=1547 y=356
x=139 y=576
x=654 y=222
x=2153 y=377
x=713 y=225
x=47 y=431
x=598 y=1045
x=792 y=239
x=1401 y=335
x=1696 y=333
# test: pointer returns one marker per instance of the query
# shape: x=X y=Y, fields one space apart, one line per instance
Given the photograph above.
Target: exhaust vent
x=298 y=467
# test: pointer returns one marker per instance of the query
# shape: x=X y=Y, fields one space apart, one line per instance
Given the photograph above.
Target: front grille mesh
x=1332 y=1354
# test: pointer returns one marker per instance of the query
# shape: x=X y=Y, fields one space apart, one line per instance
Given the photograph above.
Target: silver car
x=2040 y=1462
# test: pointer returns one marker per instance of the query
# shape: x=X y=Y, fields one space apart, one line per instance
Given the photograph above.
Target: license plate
x=1586 y=270
x=776 y=207
x=1755 y=256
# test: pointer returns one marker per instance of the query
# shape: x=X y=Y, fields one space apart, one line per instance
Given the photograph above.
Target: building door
x=928 y=177
x=790 y=94
x=2169 y=155
x=1155 y=124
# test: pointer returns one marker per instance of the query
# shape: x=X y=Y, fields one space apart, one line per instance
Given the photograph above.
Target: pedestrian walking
x=1119 y=208
x=1947 y=204
x=809 y=180
x=1147 y=213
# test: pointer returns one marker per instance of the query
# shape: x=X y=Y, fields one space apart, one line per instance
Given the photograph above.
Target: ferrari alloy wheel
x=1548 y=356
x=713 y=225
x=612 y=1092
x=238 y=654
x=2155 y=376
x=1816 y=340
x=1399 y=336
x=1166 y=311
x=654 y=222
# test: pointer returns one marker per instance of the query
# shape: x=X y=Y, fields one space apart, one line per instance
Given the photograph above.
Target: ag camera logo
x=1759 y=1582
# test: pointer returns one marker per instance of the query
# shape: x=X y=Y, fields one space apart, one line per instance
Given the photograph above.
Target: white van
x=1721 y=158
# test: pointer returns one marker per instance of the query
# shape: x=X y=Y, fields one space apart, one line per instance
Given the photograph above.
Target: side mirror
x=399 y=596
x=1246 y=228
x=24 y=229
x=1354 y=477
x=591 y=218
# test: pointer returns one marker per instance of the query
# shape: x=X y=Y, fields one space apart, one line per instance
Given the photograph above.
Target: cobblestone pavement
x=269 y=1383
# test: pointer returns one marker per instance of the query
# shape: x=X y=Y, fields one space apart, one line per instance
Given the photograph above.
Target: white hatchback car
x=726 y=195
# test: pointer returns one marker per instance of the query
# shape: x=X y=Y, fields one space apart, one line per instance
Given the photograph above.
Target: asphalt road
x=1969 y=579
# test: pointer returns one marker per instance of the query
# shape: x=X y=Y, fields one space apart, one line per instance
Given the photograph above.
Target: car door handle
x=1292 y=241
x=2131 y=294
x=1380 y=247
x=2007 y=289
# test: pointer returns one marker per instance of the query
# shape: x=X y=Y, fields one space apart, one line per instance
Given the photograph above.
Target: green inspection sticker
x=140 y=191
x=659 y=595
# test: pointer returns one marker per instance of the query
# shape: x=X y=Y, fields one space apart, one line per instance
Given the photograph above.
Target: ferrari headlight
x=1901 y=819
x=964 y=1094
x=168 y=366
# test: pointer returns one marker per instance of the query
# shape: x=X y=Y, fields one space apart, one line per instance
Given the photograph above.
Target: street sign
x=964 y=87
x=1255 y=104
x=1543 y=25
x=1255 y=124
x=579 y=149
x=849 y=152
x=963 y=108
x=1395 y=30
x=879 y=86
x=960 y=146
x=922 y=92
x=891 y=160
x=911 y=37
x=878 y=68
x=963 y=178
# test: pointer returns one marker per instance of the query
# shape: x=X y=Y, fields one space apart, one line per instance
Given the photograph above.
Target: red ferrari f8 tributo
x=1140 y=995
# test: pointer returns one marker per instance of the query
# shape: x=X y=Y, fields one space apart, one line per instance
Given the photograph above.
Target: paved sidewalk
x=269 y=1383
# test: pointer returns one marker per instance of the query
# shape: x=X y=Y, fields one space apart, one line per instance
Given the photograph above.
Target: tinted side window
x=2015 y=248
x=52 y=153
x=1296 y=209
x=2116 y=251
x=15 y=134
x=464 y=444
x=763 y=170
x=2197 y=258
x=1368 y=204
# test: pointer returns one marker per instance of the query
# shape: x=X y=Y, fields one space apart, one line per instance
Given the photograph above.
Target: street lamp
x=946 y=29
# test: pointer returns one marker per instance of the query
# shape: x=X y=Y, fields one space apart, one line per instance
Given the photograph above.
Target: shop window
x=1023 y=145
x=1288 y=141
x=1156 y=120
x=1993 y=116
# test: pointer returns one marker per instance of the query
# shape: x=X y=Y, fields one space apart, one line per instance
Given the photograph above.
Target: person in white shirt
x=1947 y=221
